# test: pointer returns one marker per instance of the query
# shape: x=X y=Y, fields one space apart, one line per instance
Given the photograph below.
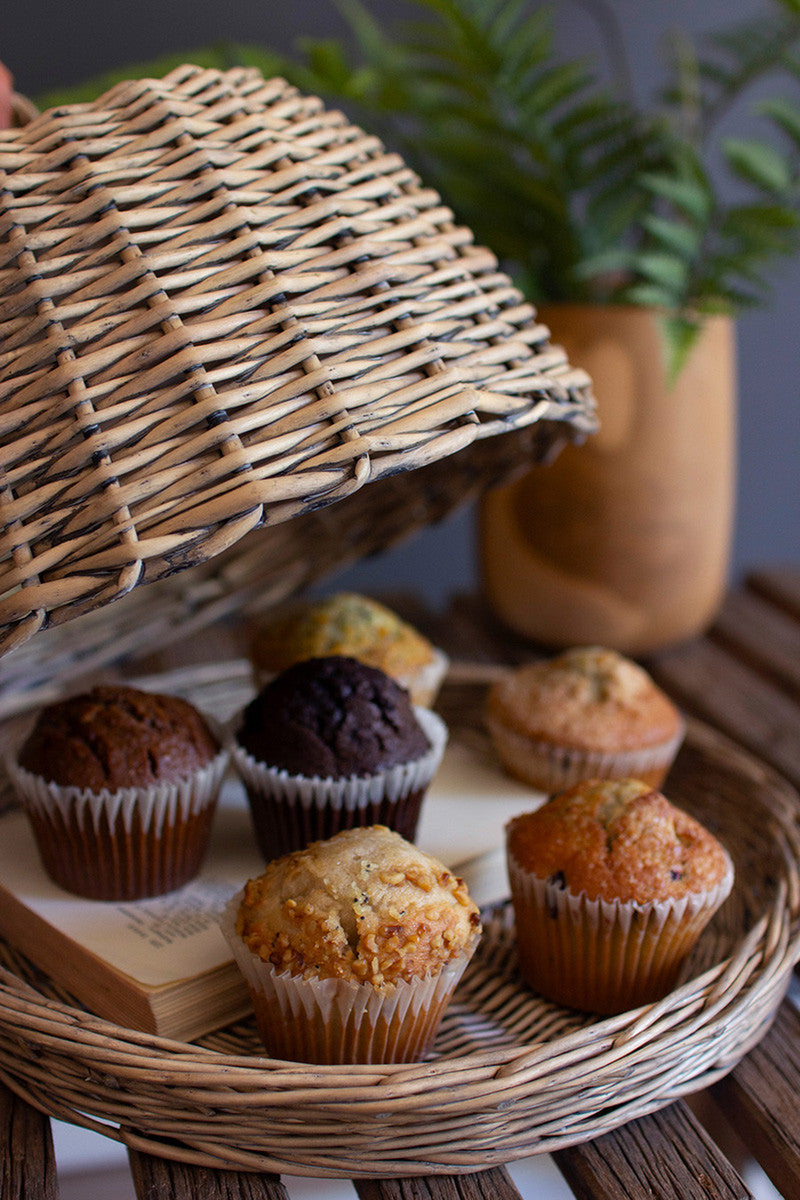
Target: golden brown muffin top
x=364 y=905
x=617 y=839
x=345 y=623
x=588 y=698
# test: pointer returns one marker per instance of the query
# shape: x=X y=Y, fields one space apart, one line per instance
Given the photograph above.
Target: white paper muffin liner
x=604 y=956
x=290 y=811
x=339 y=1020
x=123 y=844
x=551 y=768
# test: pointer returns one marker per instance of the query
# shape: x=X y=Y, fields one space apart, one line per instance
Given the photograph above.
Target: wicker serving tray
x=512 y=1075
x=224 y=308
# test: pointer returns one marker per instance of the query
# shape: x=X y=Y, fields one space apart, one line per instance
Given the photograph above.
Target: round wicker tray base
x=511 y=1075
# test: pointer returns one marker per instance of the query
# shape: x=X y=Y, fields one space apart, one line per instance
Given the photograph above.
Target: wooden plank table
x=743 y=678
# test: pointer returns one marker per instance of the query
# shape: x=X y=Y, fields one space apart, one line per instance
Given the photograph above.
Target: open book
x=161 y=965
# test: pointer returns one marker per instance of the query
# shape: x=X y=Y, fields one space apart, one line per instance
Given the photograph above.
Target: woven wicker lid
x=225 y=309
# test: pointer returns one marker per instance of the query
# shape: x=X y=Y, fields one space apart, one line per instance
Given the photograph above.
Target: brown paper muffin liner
x=552 y=768
x=604 y=956
x=291 y=811
x=339 y=1020
x=126 y=844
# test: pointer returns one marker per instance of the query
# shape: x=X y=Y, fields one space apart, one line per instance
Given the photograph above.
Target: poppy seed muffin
x=587 y=713
x=120 y=786
x=612 y=885
x=355 y=626
x=352 y=947
x=332 y=744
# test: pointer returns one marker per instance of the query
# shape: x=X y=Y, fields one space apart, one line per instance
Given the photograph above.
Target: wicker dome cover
x=223 y=306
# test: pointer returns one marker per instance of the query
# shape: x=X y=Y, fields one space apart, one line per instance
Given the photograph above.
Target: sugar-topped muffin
x=332 y=743
x=612 y=884
x=347 y=623
x=352 y=947
x=587 y=713
x=120 y=786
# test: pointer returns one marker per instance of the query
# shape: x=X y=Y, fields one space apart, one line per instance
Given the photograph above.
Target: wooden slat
x=665 y=1156
x=27 y=1160
x=161 y=1179
x=762 y=636
x=760 y=1099
x=711 y=684
x=468 y=631
x=779 y=585
x=494 y=1184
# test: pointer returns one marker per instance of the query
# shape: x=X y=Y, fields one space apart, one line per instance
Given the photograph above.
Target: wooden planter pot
x=624 y=541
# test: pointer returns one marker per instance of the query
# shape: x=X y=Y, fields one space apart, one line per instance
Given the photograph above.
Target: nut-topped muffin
x=355 y=626
x=352 y=947
x=332 y=743
x=120 y=786
x=612 y=884
x=586 y=713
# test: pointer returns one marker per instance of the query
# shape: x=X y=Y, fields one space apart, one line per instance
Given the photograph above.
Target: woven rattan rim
x=223 y=307
x=540 y=1079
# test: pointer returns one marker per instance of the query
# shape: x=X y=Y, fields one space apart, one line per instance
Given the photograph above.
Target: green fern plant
x=584 y=195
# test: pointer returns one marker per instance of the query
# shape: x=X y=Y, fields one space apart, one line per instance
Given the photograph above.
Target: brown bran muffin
x=356 y=626
x=120 y=786
x=612 y=885
x=586 y=713
x=352 y=947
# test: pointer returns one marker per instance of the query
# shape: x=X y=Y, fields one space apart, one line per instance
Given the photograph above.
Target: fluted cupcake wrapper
x=291 y=811
x=552 y=768
x=339 y=1020
x=604 y=956
x=124 y=844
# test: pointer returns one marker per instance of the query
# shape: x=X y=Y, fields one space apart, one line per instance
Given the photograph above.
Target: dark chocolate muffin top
x=116 y=736
x=332 y=717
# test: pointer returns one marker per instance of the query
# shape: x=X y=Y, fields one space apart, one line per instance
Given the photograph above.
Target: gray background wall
x=52 y=43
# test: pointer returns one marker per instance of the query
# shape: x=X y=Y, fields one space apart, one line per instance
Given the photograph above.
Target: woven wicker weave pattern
x=224 y=306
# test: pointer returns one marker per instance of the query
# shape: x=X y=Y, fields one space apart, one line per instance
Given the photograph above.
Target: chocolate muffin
x=332 y=717
x=120 y=786
x=332 y=744
x=117 y=737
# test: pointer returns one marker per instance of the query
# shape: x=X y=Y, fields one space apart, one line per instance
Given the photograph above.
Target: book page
x=157 y=940
x=465 y=813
